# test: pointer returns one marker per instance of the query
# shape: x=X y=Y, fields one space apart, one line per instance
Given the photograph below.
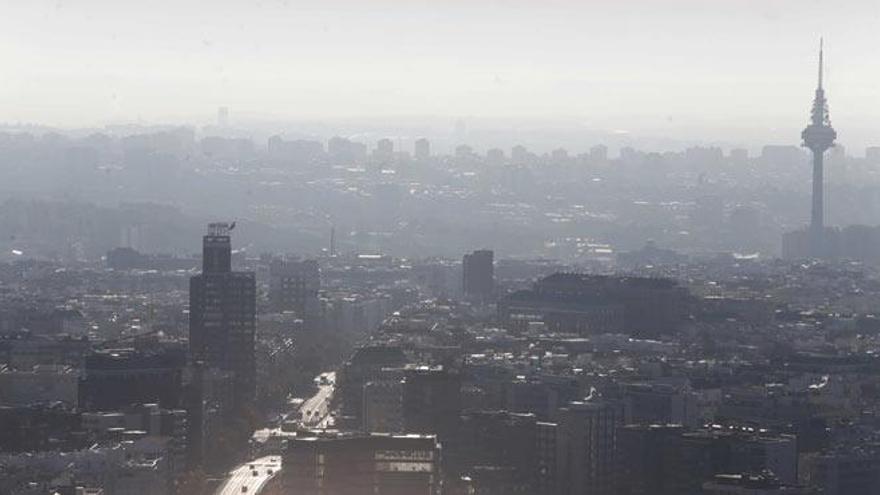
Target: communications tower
x=818 y=136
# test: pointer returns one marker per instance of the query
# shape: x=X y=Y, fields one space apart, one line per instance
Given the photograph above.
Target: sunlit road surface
x=315 y=412
x=243 y=476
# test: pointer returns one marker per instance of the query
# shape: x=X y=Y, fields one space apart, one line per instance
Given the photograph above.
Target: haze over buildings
x=452 y=248
x=682 y=69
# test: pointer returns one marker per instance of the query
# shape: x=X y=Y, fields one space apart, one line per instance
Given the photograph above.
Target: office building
x=697 y=456
x=432 y=401
x=649 y=403
x=382 y=412
x=294 y=286
x=222 y=316
x=116 y=378
x=645 y=467
x=209 y=404
x=359 y=464
x=590 y=304
x=502 y=443
x=546 y=451
x=478 y=275
x=537 y=397
x=367 y=364
x=587 y=450
x=40 y=427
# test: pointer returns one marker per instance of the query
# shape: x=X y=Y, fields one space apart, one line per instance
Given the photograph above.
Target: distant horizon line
x=481 y=131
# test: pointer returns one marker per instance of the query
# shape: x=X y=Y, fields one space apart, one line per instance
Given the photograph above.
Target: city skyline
x=556 y=247
x=587 y=65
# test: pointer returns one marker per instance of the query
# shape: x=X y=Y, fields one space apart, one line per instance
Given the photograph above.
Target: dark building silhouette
x=118 y=378
x=478 y=275
x=40 y=427
x=697 y=456
x=367 y=364
x=431 y=401
x=670 y=460
x=587 y=451
x=222 y=316
x=844 y=471
x=645 y=452
x=294 y=286
x=499 y=451
x=546 y=452
x=587 y=304
x=654 y=403
x=208 y=400
x=382 y=411
x=359 y=464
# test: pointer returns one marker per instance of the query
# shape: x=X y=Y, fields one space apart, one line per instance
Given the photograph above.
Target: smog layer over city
x=440 y=247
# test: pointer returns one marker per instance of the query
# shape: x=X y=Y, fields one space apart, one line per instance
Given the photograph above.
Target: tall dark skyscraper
x=222 y=317
x=818 y=137
x=478 y=275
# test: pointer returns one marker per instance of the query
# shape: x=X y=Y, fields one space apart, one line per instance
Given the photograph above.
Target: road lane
x=243 y=476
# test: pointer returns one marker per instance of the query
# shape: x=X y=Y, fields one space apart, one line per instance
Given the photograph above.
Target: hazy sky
x=711 y=67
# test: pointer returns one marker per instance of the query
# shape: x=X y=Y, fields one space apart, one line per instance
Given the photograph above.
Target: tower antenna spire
x=821 y=50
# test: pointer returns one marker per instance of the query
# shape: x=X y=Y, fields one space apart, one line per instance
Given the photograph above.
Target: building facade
x=222 y=318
